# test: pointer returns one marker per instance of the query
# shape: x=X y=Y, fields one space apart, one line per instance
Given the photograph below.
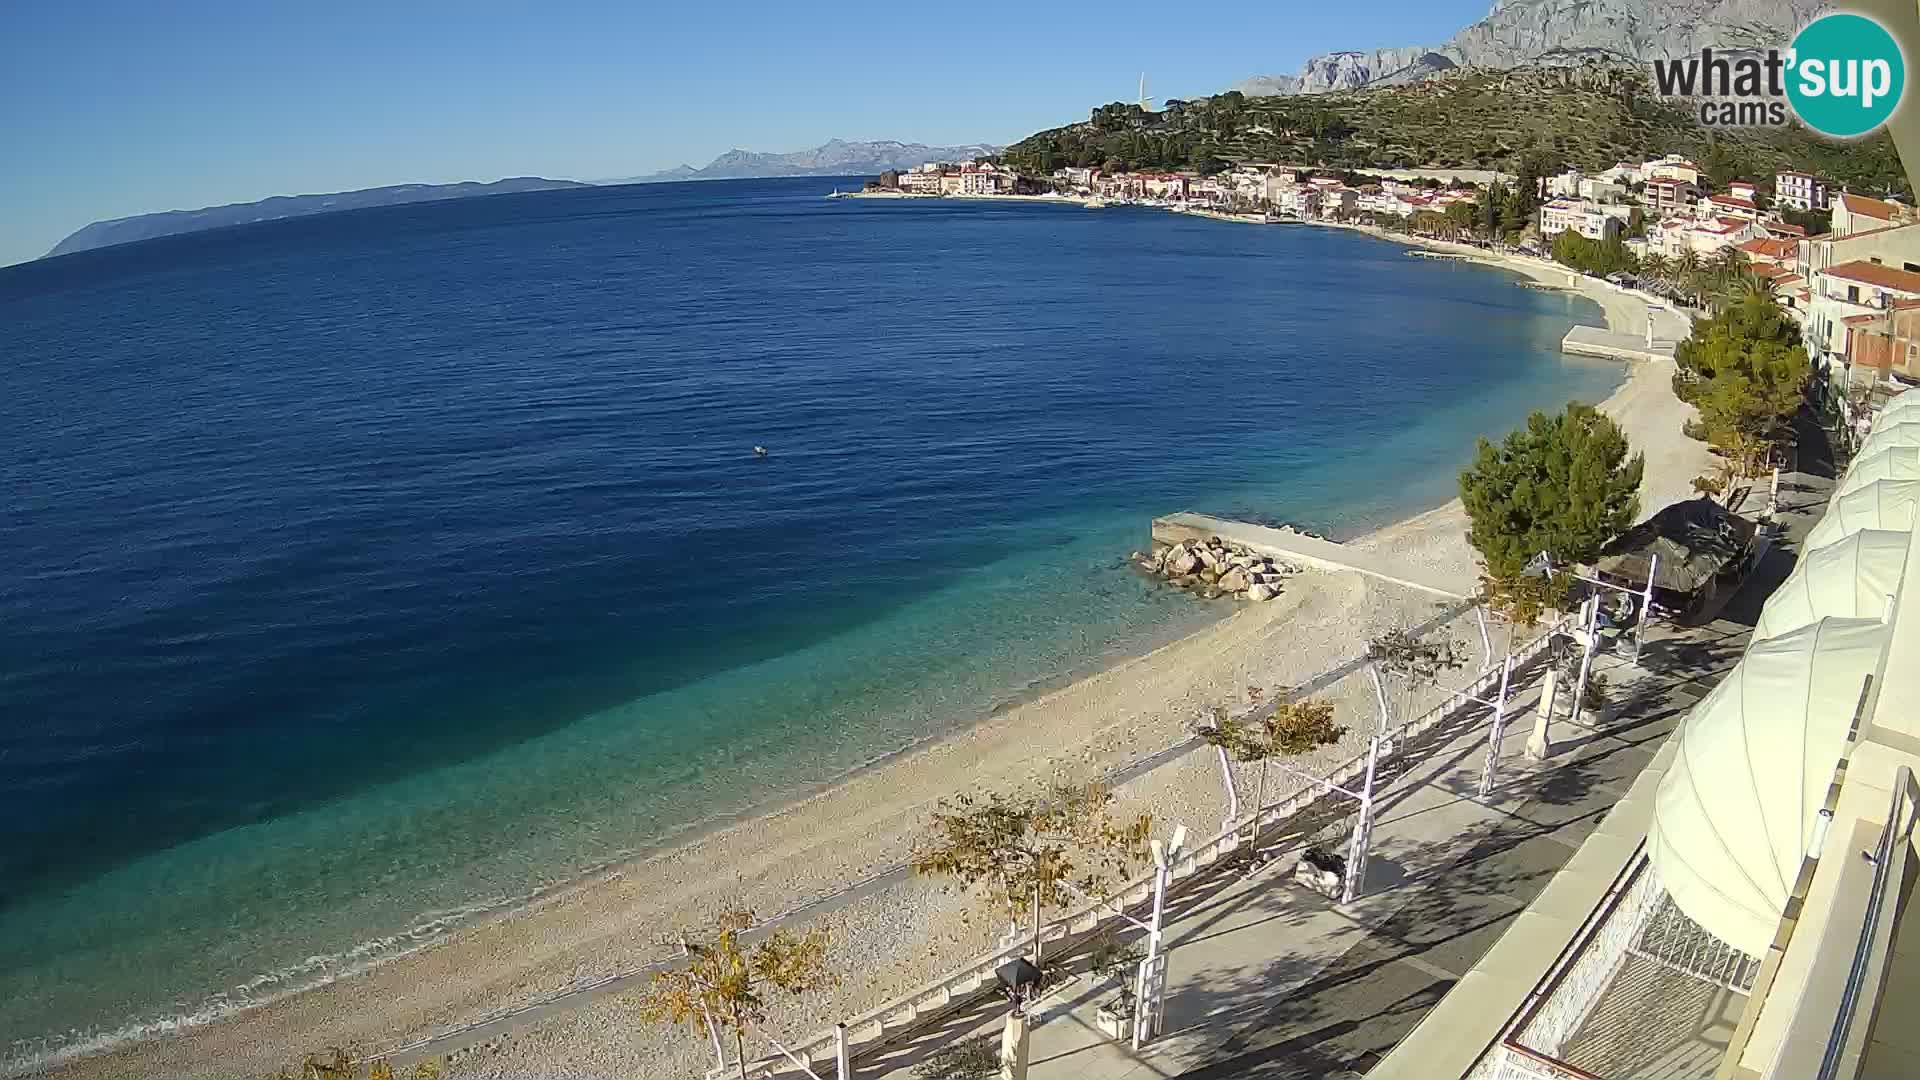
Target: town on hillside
x=1845 y=265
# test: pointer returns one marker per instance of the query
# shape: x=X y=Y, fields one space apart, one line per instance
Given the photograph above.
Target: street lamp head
x=1017 y=978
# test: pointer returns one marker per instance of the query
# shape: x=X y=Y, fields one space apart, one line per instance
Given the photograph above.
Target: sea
x=367 y=573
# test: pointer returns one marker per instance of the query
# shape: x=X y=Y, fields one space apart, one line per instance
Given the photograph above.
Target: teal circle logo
x=1846 y=75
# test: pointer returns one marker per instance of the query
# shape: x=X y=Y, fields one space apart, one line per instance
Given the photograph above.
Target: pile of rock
x=1214 y=568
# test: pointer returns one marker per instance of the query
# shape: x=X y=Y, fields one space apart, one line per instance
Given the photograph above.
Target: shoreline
x=805 y=848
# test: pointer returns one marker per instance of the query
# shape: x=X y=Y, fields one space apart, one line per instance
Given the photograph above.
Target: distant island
x=836 y=157
x=126 y=230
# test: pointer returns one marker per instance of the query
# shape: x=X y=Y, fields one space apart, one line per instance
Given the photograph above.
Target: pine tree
x=1563 y=484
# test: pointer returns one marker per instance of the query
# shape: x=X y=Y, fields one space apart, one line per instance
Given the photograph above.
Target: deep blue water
x=363 y=572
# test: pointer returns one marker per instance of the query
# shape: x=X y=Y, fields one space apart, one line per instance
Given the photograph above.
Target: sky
x=109 y=109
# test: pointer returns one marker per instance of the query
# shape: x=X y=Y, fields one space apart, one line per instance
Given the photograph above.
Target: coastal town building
x=1338 y=201
x=1596 y=189
x=1802 y=191
x=1731 y=204
x=1669 y=195
x=1884 y=346
x=1675 y=237
x=1847 y=296
x=1572 y=215
x=1858 y=213
x=1671 y=167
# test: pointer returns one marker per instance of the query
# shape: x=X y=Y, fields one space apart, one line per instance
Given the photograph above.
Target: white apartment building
x=1571 y=215
x=1802 y=191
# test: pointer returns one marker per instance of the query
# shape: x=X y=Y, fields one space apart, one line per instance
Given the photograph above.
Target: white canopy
x=1901 y=406
x=1850 y=579
x=1887 y=434
x=1736 y=812
x=1893 y=463
x=1887 y=504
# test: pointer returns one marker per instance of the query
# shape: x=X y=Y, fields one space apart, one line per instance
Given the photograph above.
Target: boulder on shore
x=1233 y=580
x=1261 y=593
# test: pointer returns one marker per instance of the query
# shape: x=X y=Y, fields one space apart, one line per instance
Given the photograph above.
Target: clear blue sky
x=116 y=108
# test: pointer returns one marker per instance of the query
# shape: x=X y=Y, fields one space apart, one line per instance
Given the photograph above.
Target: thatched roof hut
x=1695 y=540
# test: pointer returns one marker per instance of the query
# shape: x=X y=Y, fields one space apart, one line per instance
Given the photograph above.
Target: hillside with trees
x=1588 y=116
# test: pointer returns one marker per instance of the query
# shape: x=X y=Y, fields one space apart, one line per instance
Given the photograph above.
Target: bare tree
x=723 y=985
x=1412 y=661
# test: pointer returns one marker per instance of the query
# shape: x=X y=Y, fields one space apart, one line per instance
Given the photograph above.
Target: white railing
x=879 y=1027
x=1571 y=996
x=1672 y=939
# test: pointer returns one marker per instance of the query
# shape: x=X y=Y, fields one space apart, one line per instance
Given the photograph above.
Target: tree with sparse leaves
x=1027 y=852
x=724 y=983
x=1288 y=729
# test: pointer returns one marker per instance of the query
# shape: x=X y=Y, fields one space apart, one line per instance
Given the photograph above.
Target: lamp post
x=1150 y=991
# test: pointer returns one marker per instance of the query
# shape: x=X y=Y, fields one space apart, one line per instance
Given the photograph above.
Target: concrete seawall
x=1593 y=341
x=1295 y=548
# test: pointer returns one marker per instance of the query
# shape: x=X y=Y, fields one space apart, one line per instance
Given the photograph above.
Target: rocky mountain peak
x=1520 y=32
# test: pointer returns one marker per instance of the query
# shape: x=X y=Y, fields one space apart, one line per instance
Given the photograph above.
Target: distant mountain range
x=1519 y=33
x=836 y=157
x=169 y=223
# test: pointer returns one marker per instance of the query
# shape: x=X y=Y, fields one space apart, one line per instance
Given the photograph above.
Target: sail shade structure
x=1738 y=809
x=1850 y=579
x=1893 y=463
x=1901 y=409
x=1889 y=434
x=1887 y=504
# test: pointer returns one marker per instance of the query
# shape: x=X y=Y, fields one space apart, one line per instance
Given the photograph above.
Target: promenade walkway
x=1267 y=979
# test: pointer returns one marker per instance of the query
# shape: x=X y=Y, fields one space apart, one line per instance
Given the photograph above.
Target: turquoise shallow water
x=377 y=570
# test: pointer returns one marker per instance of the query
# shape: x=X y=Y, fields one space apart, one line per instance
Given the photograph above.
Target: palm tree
x=1686 y=272
x=1656 y=266
x=1724 y=274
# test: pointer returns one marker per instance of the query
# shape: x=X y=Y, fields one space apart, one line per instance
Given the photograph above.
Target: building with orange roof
x=1859 y=213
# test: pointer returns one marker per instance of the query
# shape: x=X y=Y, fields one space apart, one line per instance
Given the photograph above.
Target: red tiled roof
x=1768 y=247
x=1783 y=228
x=1732 y=200
x=1883 y=277
x=1874 y=208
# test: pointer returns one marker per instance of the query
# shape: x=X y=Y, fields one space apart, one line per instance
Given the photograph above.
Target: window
x=1853 y=294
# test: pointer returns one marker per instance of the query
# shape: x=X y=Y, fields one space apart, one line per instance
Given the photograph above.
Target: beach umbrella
x=1893 y=463
x=1847 y=580
x=1888 y=504
x=1737 y=810
x=1886 y=436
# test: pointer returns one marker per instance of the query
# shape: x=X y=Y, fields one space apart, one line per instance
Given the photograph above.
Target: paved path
x=1269 y=980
